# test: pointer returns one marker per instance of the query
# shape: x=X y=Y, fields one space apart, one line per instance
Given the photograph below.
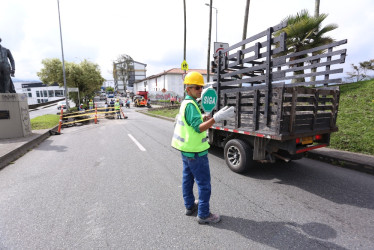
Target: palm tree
x=304 y=32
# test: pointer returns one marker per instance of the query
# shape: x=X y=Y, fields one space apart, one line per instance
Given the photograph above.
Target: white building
x=170 y=81
x=37 y=92
x=136 y=71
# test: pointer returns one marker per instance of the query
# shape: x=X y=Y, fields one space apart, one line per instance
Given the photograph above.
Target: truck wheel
x=238 y=155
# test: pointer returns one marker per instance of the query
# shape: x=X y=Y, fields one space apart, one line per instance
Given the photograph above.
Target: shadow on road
x=314 y=177
x=282 y=235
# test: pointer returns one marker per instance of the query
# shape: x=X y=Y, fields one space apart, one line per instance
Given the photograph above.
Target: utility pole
x=185 y=31
x=185 y=34
x=209 y=39
x=245 y=22
x=245 y=25
x=63 y=60
x=316 y=8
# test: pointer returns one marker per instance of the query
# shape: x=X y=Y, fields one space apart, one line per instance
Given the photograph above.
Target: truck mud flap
x=259 y=152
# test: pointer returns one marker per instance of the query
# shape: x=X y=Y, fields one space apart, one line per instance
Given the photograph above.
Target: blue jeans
x=196 y=169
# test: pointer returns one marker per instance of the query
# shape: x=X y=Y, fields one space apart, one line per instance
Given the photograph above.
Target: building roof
x=180 y=71
x=177 y=71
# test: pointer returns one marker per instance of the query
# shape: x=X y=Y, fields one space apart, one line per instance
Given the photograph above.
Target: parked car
x=61 y=104
x=103 y=96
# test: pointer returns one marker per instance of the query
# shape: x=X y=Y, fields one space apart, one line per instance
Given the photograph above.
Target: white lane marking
x=136 y=142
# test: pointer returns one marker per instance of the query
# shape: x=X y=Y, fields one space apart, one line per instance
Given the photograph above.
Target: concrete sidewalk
x=12 y=149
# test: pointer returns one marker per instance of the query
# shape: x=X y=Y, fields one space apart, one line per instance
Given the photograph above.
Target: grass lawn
x=355 y=118
x=165 y=112
x=44 y=122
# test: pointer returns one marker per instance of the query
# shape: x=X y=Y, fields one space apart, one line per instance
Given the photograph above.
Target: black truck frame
x=279 y=114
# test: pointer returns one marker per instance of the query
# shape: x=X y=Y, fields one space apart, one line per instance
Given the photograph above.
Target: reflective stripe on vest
x=185 y=138
x=180 y=122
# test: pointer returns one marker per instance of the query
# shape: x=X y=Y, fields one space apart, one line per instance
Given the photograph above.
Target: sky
x=152 y=32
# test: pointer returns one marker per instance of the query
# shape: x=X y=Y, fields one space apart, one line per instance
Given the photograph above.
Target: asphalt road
x=46 y=110
x=117 y=184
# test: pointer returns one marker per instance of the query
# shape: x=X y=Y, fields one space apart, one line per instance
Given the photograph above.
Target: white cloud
x=151 y=32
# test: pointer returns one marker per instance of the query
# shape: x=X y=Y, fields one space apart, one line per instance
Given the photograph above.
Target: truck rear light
x=298 y=140
x=317 y=137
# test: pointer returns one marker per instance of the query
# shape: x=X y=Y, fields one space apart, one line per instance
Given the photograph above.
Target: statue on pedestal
x=6 y=71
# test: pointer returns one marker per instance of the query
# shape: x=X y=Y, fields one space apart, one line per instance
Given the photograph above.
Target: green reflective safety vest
x=185 y=138
x=116 y=106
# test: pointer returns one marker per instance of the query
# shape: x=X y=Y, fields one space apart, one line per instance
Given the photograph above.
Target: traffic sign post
x=220 y=46
x=209 y=99
x=75 y=90
x=184 y=65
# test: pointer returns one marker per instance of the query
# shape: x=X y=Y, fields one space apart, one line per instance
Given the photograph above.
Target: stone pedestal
x=14 y=116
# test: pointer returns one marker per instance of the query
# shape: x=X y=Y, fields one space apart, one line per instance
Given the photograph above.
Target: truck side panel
x=277 y=94
x=293 y=111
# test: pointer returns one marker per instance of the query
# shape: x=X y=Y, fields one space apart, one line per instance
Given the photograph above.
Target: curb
x=145 y=112
x=356 y=161
x=18 y=152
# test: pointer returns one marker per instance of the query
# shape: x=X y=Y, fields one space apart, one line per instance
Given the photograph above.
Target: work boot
x=212 y=218
x=192 y=210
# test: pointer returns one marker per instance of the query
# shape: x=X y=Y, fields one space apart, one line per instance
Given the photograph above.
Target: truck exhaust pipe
x=281 y=157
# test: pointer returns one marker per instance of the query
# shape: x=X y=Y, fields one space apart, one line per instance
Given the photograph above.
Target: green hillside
x=355 y=118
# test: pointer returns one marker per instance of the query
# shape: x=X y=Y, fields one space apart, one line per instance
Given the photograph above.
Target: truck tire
x=238 y=155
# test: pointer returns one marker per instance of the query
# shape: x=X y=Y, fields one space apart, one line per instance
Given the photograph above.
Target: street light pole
x=63 y=60
x=207 y=4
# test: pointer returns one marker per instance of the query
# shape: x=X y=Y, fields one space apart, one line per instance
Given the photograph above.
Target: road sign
x=184 y=65
x=209 y=99
x=73 y=89
x=220 y=46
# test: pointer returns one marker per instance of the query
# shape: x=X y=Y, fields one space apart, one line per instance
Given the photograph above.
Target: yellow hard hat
x=194 y=78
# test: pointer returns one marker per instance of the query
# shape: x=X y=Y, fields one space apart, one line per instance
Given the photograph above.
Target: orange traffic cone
x=60 y=122
x=95 y=113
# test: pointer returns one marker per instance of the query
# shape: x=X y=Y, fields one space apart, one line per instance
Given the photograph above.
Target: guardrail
x=92 y=113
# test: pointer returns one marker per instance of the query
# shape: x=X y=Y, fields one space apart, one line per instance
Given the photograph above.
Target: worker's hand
x=224 y=114
x=206 y=117
x=12 y=73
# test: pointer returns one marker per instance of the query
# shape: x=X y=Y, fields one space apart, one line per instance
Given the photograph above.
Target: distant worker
x=117 y=108
x=111 y=104
x=90 y=104
x=106 y=108
x=190 y=138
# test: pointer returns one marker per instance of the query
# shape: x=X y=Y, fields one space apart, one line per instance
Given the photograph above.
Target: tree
x=85 y=76
x=359 y=72
x=109 y=89
x=123 y=69
x=304 y=32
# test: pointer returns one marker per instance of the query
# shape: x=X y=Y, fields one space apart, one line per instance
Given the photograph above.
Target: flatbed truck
x=280 y=115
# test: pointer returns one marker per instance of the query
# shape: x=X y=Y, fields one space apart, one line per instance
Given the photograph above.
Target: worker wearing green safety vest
x=90 y=104
x=117 y=108
x=191 y=139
